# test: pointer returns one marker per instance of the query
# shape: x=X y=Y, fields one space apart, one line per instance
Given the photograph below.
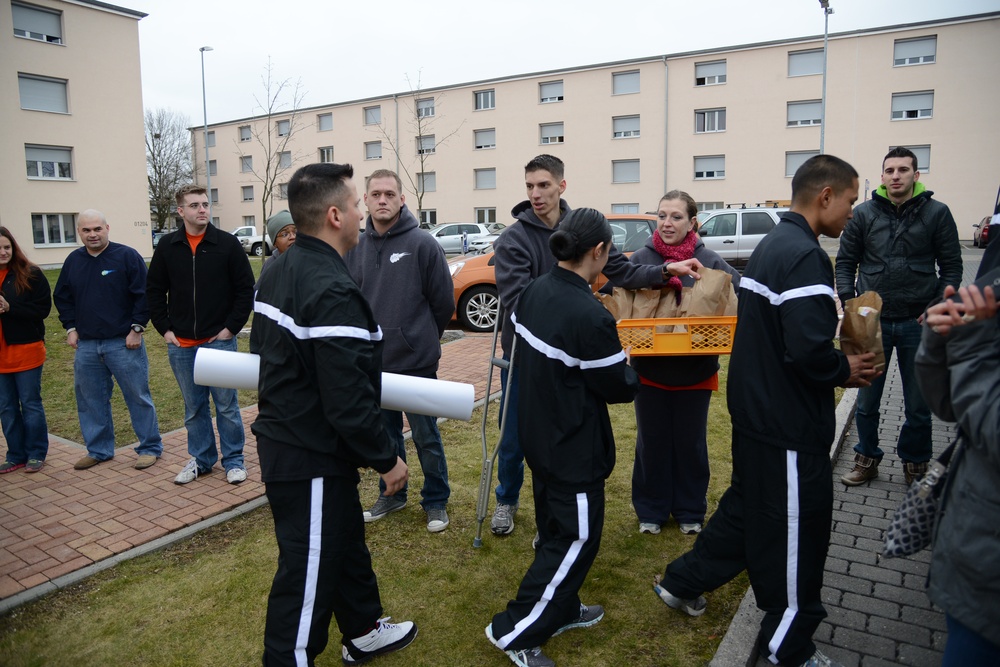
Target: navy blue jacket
x=102 y=296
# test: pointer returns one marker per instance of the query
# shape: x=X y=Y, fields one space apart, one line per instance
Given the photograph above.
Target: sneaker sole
x=578 y=624
x=30 y=469
x=437 y=528
x=370 y=518
x=680 y=606
x=16 y=466
x=502 y=530
x=397 y=645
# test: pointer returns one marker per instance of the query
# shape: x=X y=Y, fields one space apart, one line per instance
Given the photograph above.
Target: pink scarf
x=676 y=253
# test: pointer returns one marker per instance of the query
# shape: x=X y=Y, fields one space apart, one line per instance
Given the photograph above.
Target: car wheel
x=257 y=250
x=478 y=308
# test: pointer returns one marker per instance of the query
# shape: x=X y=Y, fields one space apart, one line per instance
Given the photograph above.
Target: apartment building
x=73 y=124
x=728 y=125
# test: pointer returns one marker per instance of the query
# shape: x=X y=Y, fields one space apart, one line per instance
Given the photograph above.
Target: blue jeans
x=430 y=451
x=23 y=416
x=198 y=413
x=95 y=364
x=914 y=444
x=967 y=647
x=510 y=456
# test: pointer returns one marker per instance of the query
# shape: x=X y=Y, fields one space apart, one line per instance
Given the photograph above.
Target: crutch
x=490 y=455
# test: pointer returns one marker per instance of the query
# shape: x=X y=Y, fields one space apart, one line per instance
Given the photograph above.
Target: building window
x=710 y=73
x=910 y=106
x=49 y=162
x=485 y=99
x=283 y=128
x=246 y=163
x=39 y=93
x=805 y=63
x=918 y=51
x=624 y=83
x=37 y=23
x=485 y=139
x=923 y=154
x=805 y=113
x=710 y=166
x=428 y=216
x=373 y=115
x=215 y=195
x=283 y=190
x=486 y=179
x=550 y=92
x=324 y=122
x=625 y=171
x=425 y=145
x=623 y=127
x=284 y=159
x=710 y=120
x=326 y=153
x=213 y=168
x=53 y=228
x=249 y=221
x=245 y=133
x=795 y=159
x=247 y=193
x=551 y=133
x=485 y=216
x=210 y=139
x=373 y=150
x=709 y=206
x=427 y=181
x=425 y=108
x=624 y=209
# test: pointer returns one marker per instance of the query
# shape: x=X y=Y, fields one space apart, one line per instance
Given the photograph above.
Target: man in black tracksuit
x=318 y=422
x=774 y=520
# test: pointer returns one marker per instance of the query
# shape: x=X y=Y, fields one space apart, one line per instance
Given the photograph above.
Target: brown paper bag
x=623 y=297
x=860 y=330
x=709 y=295
x=609 y=303
x=667 y=307
x=731 y=302
x=645 y=302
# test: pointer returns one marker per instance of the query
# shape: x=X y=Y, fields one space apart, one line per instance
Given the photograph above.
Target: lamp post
x=204 y=109
x=827 y=10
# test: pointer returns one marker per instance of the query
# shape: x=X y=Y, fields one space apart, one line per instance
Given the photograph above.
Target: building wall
x=99 y=59
x=755 y=95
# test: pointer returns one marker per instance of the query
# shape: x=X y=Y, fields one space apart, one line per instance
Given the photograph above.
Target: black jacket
x=893 y=250
x=25 y=321
x=197 y=296
x=784 y=366
x=570 y=365
x=320 y=361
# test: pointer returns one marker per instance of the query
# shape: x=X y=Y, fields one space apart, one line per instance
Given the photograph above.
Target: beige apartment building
x=73 y=124
x=728 y=125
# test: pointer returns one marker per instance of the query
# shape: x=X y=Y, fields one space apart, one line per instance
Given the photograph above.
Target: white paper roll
x=437 y=398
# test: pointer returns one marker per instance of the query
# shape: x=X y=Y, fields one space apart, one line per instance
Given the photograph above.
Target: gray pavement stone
x=850 y=554
x=871 y=605
x=929 y=618
x=847 y=618
x=902 y=595
x=859 y=531
x=837 y=565
x=864 y=643
x=919 y=657
x=875 y=574
x=906 y=633
x=845 y=582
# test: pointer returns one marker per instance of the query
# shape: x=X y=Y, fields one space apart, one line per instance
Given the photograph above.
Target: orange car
x=476 y=286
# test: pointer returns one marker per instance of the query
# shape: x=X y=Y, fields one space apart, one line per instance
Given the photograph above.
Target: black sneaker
x=588 y=616
x=385 y=638
x=385 y=505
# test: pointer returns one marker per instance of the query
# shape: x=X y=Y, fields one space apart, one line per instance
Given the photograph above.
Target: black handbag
x=912 y=525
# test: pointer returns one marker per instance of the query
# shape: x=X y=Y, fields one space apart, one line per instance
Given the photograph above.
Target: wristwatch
x=138 y=328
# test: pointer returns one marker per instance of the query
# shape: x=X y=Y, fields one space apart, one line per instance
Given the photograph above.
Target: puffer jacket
x=893 y=251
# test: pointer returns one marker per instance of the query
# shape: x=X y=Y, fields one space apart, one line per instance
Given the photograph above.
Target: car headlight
x=455 y=267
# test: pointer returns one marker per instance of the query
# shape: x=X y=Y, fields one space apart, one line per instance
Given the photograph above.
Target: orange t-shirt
x=193 y=241
x=17 y=358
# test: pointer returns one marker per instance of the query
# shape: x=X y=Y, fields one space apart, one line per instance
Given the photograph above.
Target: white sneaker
x=649 y=528
x=236 y=475
x=385 y=638
x=503 y=519
x=188 y=473
x=690 y=528
x=532 y=657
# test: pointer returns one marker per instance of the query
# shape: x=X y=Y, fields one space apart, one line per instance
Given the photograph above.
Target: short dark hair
x=549 y=163
x=900 y=151
x=819 y=172
x=313 y=190
x=580 y=231
x=189 y=189
x=385 y=173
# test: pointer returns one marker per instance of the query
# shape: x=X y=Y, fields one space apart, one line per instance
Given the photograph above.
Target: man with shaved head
x=101 y=299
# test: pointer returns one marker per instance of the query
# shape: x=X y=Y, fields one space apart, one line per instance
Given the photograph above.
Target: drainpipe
x=666 y=95
x=395 y=111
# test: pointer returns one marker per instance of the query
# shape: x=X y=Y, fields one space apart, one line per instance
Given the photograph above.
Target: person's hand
x=395 y=478
x=133 y=340
x=225 y=334
x=975 y=305
x=862 y=370
x=689 y=267
x=73 y=339
x=171 y=338
x=4 y=305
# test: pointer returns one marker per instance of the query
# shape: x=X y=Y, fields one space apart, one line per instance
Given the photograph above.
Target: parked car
x=482 y=244
x=475 y=281
x=450 y=235
x=981 y=235
x=735 y=232
x=252 y=242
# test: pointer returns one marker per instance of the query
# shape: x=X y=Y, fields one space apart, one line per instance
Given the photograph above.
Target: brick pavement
x=59 y=524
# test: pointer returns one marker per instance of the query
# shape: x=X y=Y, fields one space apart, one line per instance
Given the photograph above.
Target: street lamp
x=827 y=10
x=204 y=109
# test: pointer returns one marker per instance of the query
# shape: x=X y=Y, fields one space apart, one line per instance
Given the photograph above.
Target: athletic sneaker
x=649 y=528
x=690 y=528
x=820 y=660
x=34 y=465
x=694 y=607
x=385 y=505
x=535 y=540
x=437 y=519
x=236 y=475
x=588 y=616
x=385 y=638
x=503 y=519
x=531 y=657
x=8 y=466
x=189 y=472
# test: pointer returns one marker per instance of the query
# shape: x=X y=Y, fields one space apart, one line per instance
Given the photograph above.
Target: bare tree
x=421 y=115
x=168 y=161
x=276 y=120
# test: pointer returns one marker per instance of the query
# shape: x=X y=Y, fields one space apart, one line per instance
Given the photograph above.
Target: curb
x=739 y=646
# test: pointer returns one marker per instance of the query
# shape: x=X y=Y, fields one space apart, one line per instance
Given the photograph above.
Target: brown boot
x=914 y=471
x=865 y=468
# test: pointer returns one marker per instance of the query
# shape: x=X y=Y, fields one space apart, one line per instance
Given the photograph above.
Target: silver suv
x=735 y=232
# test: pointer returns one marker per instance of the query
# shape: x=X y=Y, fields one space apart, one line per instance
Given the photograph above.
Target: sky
x=341 y=51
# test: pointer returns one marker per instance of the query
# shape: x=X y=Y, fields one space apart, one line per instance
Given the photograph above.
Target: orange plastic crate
x=701 y=335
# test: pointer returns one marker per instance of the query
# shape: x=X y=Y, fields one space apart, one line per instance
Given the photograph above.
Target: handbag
x=912 y=526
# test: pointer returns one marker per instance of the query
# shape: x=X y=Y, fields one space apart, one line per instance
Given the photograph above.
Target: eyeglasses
x=286 y=233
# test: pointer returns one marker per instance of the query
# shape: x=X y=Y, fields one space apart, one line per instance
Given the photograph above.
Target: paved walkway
x=60 y=525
